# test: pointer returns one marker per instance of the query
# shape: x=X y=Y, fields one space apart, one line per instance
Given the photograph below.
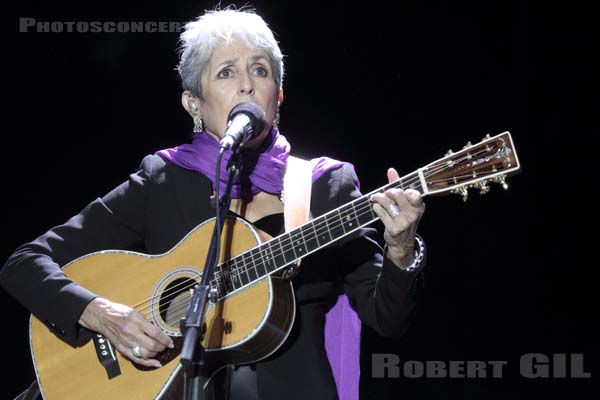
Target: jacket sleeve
x=33 y=274
x=383 y=295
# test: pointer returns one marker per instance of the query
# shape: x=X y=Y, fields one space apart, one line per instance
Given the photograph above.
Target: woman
x=228 y=57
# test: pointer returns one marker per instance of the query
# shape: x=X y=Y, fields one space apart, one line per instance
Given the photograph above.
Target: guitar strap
x=342 y=326
x=297 y=185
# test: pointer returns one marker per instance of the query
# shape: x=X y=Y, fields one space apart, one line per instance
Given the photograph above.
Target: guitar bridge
x=107 y=356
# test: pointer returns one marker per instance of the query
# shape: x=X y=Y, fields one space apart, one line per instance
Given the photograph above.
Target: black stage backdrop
x=380 y=85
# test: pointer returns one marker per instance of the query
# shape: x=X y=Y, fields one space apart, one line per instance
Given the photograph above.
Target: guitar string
x=242 y=259
x=236 y=265
x=244 y=268
x=236 y=270
x=246 y=256
x=183 y=307
x=256 y=264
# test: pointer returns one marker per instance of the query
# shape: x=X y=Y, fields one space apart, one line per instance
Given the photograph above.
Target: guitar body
x=243 y=327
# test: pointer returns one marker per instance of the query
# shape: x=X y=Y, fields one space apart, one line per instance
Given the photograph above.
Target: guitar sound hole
x=174 y=301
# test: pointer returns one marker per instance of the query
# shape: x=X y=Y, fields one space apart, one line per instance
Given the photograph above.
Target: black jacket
x=161 y=203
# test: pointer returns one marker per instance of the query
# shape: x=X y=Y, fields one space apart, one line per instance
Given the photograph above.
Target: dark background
x=380 y=85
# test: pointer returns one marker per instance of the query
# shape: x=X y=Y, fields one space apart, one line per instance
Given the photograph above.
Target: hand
x=126 y=328
x=401 y=229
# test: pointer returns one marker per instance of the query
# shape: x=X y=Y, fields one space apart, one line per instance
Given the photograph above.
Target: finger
x=147 y=362
x=414 y=198
x=146 y=333
x=405 y=198
x=134 y=335
x=407 y=212
x=146 y=353
x=408 y=215
x=383 y=199
x=394 y=226
x=383 y=215
x=386 y=203
x=157 y=334
x=397 y=198
x=150 y=346
x=392 y=175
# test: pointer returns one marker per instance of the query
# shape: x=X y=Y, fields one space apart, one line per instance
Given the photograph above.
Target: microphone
x=245 y=121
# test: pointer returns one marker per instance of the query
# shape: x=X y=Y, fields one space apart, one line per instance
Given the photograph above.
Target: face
x=237 y=73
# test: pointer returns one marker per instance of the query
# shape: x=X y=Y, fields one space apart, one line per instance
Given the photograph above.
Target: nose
x=246 y=85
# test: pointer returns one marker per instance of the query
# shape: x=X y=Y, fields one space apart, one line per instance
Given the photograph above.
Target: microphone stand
x=192 y=326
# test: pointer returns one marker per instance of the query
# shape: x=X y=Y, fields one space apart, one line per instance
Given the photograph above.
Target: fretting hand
x=400 y=211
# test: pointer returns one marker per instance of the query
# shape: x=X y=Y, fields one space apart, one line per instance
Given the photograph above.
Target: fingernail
x=171 y=345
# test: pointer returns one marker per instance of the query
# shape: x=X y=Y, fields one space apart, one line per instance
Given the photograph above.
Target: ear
x=188 y=101
x=280 y=96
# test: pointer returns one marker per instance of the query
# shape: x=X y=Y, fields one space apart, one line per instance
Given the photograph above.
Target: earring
x=198 y=123
x=276 y=121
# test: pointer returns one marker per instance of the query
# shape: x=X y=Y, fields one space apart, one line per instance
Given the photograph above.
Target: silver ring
x=137 y=351
x=394 y=211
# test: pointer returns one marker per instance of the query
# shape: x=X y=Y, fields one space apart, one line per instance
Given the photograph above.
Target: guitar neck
x=283 y=250
x=475 y=166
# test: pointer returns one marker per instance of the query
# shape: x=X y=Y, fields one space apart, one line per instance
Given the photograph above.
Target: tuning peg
x=448 y=153
x=501 y=179
x=483 y=187
x=467 y=145
x=462 y=191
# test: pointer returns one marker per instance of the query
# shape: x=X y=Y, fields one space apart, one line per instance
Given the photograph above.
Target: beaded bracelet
x=419 y=255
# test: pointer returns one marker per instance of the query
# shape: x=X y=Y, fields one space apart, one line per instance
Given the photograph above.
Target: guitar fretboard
x=279 y=252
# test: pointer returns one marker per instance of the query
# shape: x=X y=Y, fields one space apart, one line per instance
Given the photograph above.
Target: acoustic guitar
x=252 y=307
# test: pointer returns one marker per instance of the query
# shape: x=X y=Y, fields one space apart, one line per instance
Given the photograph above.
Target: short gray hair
x=198 y=41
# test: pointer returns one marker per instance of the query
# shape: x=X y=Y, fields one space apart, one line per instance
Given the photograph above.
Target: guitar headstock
x=475 y=166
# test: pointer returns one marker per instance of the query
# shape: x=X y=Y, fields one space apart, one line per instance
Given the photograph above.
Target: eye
x=261 y=71
x=224 y=73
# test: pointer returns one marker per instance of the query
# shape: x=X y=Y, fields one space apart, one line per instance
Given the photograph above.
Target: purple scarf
x=263 y=169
